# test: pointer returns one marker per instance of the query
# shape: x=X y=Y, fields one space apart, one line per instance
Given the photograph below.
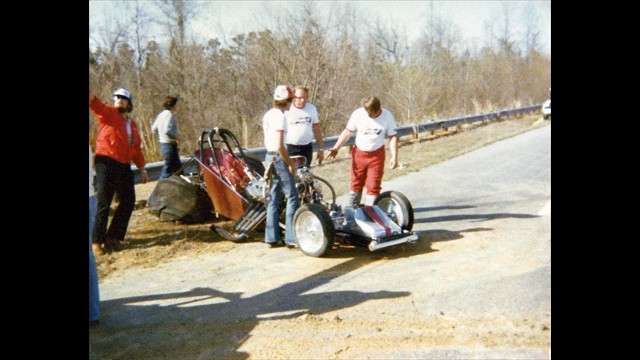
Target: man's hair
x=301 y=87
x=372 y=104
x=170 y=102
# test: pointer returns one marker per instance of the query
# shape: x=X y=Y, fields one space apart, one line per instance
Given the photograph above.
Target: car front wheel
x=397 y=207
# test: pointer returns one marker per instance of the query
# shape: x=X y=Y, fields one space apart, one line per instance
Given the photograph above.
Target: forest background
x=341 y=58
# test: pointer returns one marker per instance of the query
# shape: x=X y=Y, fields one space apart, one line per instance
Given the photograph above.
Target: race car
x=238 y=191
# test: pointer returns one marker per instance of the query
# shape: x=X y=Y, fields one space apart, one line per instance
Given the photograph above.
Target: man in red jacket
x=117 y=146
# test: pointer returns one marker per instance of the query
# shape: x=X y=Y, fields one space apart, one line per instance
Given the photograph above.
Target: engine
x=309 y=189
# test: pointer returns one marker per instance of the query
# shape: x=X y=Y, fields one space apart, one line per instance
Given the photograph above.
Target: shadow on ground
x=207 y=323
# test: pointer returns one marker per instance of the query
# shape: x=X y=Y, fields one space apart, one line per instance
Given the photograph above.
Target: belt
x=368 y=152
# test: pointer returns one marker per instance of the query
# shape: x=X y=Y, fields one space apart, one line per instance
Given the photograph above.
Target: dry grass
x=150 y=241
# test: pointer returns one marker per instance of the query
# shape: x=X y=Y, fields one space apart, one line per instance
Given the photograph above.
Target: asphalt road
x=482 y=268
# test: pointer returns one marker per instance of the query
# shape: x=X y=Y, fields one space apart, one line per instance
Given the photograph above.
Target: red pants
x=367 y=169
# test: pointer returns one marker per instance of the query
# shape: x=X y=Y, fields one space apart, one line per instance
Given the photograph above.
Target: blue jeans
x=94 y=292
x=171 y=158
x=282 y=181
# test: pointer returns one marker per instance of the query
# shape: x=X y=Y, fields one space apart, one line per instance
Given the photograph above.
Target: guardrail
x=155 y=169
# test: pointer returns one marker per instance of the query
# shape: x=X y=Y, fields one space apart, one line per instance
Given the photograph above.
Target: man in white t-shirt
x=281 y=168
x=303 y=125
x=372 y=125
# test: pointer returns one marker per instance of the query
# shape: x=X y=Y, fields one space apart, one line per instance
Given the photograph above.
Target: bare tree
x=387 y=40
x=178 y=14
x=436 y=53
x=140 y=26
x=531 y=32
x=111 y=33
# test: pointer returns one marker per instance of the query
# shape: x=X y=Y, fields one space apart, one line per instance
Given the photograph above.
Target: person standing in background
x=372 y=125
x=303 y=125
x=166 y=127
x=281 y=168
x=118 y=144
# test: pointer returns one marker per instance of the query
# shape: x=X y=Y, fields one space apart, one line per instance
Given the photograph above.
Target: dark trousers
x=305 y=150
x=171 y=158
x=112 y=178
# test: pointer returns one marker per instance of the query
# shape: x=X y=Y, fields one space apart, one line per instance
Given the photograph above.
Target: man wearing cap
x=118 y=145
x=303 y=125
x=280 y=168
x=372 y=125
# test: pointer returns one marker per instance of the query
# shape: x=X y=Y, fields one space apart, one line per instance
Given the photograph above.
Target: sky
x=229 y=18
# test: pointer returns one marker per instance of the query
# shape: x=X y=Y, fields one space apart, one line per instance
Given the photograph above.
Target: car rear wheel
x=313 y=230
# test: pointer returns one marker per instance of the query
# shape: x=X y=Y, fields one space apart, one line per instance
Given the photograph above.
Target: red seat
x=231 y=169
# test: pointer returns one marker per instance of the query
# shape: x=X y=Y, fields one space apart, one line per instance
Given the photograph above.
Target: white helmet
x=125 y=93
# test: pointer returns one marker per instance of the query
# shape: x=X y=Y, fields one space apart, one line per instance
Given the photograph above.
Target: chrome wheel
x=313 y=230
x=397 y=207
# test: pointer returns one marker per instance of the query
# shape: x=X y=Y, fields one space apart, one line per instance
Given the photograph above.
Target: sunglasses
x=116 y=97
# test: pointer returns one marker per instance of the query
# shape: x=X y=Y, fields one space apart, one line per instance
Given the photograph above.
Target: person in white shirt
x=279 y=165
x=167 y=128
x=303 y=125
x=372 y=125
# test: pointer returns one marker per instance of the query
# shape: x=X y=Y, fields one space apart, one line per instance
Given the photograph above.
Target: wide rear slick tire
x=397 y=207
x=313 y=230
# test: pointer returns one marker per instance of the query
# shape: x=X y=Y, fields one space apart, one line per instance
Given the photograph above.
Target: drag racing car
x=238 y=187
